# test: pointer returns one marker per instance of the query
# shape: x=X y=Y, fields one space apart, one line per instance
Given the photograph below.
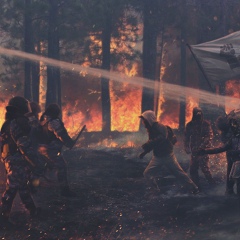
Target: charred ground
x=112 y=203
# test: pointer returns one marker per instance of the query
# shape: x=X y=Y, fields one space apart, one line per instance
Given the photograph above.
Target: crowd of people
x=32 y=145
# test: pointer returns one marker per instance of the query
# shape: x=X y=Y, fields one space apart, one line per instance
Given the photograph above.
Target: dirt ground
x=113 y=203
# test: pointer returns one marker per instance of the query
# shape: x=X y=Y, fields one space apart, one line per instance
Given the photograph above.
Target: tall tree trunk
x=159 y=68
x=53 y=73
x=223 y=30
x=35 y=81
x=36 y=77
x=149 y=58
x=28 y=48
x=182 y=112
x=106 y=106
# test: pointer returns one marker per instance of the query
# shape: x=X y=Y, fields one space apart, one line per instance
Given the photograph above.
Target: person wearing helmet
x=34 y=114
x=163 y=155
x=18 y=156
x=54 y=137
x=198 y=134
x=232 y=147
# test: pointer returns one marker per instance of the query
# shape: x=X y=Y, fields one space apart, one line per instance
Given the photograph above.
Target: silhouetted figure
x=163 y=155
x=198 y=134
x=18 y=156
x=54 y=137
x=232 y=147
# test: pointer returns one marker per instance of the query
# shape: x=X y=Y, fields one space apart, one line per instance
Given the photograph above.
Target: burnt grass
x=112 y=203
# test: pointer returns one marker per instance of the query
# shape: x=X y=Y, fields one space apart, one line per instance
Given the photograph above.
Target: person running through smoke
x=232 y=147
x=53 y=137
x=163 y=155
x=19 y=158
x=198 y=134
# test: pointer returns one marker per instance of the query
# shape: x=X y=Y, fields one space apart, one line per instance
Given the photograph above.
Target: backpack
x=171 y=136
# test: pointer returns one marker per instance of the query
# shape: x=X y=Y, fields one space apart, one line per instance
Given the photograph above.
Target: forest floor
x=112 y=203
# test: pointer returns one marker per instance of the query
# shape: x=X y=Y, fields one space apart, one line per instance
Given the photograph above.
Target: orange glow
x=169 y=111
x=2 y=112
x=110 y=143
x=125 y=108
x=125 y=104
x=191 y=103
x=42 y=85
x=74 y=119
x=232 y=90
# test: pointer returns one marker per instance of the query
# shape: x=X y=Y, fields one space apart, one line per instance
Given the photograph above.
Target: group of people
x=31 y=146
x=198 y=137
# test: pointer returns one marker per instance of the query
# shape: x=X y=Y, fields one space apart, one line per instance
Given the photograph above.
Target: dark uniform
x=232 y=147
x=18 y=156
x=54 y=137
x=198 y=134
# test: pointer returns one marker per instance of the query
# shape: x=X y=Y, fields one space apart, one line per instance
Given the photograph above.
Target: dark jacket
x=158 y=137
x=158 y=141
x=54 y=130
x=198 y=132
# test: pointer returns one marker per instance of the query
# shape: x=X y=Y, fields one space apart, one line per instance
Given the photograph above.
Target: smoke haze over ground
x=113 y=203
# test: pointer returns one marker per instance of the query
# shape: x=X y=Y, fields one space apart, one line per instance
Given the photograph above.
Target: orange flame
x=169 y=111
x=232 y=90
x=125 y=103
x=74 y=119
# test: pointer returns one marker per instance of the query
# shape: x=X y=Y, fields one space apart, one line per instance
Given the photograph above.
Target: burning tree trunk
x=159 y=64
x=149 y=58
x=106 y=107
x=182 y=113
x=53 y=73
x=28 y=47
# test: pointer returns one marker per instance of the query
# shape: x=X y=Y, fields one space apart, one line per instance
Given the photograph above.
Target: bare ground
x=112 y=203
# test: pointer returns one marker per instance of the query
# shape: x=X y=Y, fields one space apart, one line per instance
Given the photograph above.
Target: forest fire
x=104 y=63
x=74 y=119
x=169 y=111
